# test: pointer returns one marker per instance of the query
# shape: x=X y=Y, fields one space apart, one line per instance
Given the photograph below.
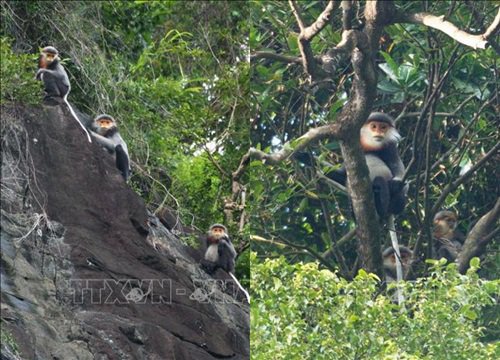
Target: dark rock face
x=86 y=272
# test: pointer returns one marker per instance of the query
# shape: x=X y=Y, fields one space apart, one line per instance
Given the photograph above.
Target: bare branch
x=308 y=33
x=323 y=19
x=288 y=149
x=278 y=57
x=341 y=241
x=297 y=14
x=493 y=28
x=304 y=248
x=347 y=13
x=481 y=234
x=438 y=22
x=451 y=187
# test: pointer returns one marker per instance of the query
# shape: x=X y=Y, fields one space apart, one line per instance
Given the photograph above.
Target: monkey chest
x=212 y=253
x=377 y=167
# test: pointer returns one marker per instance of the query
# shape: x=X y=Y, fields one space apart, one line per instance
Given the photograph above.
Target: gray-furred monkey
x=219 y=253
x=445 y=232
x=379 y=138
x=389 y=256
x=55 y=81
x=106 y=134
x=52 y=73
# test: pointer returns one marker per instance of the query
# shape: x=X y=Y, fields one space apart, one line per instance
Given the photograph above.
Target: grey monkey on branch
x=446 y=234
x=379 y=139
x=105 y=132
x=55 y=81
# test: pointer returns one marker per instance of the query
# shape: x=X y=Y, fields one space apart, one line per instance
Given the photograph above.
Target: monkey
x=220 y=253
x=445 y=232
x=378 y=138
x=106 y=134
x=55 y=81
x=389 y=256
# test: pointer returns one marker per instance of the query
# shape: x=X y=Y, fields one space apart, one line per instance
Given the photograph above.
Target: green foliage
x=302 y=312
x=197 y=185
x=18 y=76
x=8 y=340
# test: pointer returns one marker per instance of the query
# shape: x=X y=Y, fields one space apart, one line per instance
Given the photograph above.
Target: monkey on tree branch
x=386 y=193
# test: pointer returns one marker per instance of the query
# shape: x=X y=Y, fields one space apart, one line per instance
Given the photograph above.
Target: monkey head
x=216 y=233
x=48 y=55
x=104 y=123
x=445 y=223
x=378 y=132
x=389 y=256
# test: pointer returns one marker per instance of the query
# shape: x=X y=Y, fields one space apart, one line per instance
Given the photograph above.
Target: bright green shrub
x=301 y=312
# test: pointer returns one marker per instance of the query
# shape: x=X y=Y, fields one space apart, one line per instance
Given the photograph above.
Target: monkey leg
x=397 y=197
x=381 y=195
x=122 y=162
x=339 y=176
x=208 y=266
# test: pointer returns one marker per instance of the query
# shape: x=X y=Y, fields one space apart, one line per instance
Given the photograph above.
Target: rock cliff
x=87 y=273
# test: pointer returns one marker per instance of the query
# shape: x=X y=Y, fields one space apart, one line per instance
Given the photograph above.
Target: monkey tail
x=65 y=98
x=241 y=287
x=399 y=267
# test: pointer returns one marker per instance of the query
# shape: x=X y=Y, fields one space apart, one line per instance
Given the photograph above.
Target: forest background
x=189 y=103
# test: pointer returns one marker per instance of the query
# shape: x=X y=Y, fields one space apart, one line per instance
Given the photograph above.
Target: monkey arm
x=103 y=141
x=55 y=73
x=394 y=163
x=227 y=243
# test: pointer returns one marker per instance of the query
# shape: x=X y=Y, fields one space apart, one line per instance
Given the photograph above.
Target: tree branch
x=288 y=149
x=451 y=187
x=480 y=41
x=481 y=234
x=323 y=19
x=493 y=28
x=306 y=249
x=308 y=33
x=278 y=57
x=347 y=13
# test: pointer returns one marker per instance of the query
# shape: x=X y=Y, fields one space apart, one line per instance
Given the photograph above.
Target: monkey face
x=105 y=123
x=375 y=135
x=47 y=58
x=406 y=258
x=215 y=234
x=445 y=223
x=378 y=130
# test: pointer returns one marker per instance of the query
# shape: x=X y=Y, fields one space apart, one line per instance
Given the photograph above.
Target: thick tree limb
x=347 y=14
x=438 y=22
x=481 y=234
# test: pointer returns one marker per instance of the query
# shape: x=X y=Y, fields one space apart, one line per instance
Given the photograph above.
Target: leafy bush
x=302 y=312
x=18 y=76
